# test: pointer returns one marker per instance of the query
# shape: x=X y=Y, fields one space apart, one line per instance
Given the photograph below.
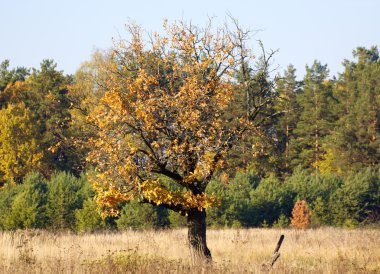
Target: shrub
x=269 y=200
x=138 y=216
x=66 y=193
x=176 y=219
x=88 y=217
x=300 y=215
x=23 y=206
x=358 y=200
x=321 y=213
x=281 y=222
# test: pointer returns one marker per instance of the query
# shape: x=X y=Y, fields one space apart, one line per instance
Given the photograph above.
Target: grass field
x=324 y=250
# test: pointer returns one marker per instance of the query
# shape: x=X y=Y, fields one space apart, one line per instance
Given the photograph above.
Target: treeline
x=323 y=124
x=321 y=144
x=36 y=124
x=67 y=202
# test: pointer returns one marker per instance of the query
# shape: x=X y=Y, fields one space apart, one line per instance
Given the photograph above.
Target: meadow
x=322 y=250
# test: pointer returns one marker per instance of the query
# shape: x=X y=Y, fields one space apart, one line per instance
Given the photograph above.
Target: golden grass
x=326 y=250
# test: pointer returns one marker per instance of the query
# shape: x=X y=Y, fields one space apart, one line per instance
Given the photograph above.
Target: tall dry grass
x=324 y=250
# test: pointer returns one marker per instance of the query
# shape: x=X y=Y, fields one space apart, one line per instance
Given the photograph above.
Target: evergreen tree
x=142 y=216
x=65 y=194
x=24 y=206
x=49 y=88
x=316 y=117
x=355 y=143
x=257 y=149
x=358 y=199
x=288 y=88
x=88 y=217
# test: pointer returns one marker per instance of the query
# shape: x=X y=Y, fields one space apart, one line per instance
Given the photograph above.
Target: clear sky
x=68 y=31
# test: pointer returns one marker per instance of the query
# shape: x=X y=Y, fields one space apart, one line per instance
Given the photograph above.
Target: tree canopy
x=162 y=115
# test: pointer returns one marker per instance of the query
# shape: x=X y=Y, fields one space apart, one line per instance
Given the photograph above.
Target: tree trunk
x=287 y=147
x=196 y=224
x=316 y=147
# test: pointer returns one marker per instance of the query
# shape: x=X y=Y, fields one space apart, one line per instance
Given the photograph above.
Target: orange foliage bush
x=300 y=215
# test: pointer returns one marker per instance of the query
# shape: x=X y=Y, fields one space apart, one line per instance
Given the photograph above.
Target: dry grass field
x=324 y=250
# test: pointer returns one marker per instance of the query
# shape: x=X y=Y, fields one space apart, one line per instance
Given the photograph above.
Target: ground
x=324 y=250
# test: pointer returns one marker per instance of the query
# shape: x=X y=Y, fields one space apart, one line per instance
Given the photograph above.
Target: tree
x=87 y=218
x=256 y=149
x=300 y=215
x=20 y=150
x=15 y=93
x=358 y=200
x=45 y=93
x=316 y=118
x=135 y=215
x=288 y=89
x=162 y=117
x=9 y=77
x=48 y=88
x=355 y=141
x=84 y=94
x=235 y=208
x=28 y=206
x=66 y=194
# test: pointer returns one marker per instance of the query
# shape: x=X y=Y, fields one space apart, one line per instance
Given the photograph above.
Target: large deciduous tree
x=20 y=151
x=161 y=132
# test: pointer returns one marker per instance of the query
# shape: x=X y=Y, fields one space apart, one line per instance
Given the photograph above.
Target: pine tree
x=288 y=88
x=316 y=118
x=50 y=104
x=356 y=142
x=300 y=215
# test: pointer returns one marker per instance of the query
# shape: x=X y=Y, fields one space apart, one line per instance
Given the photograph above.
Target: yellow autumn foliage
x=20 y=152
x=162 y=115
x=326 y=164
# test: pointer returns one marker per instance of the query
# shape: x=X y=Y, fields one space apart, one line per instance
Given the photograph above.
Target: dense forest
x=320 y=144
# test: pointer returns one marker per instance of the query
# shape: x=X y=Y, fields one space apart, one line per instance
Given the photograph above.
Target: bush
x=235 y=201
x=271 y=199
x=24 y=206
x=176 y=219
x=88 y=217
x=358 y=200
x=300 y=215
x=66 y=202
x=321 y=213
x=7 y=195
x=66 y=194
x=135 y=215
x=281 y=222
x=311 y=186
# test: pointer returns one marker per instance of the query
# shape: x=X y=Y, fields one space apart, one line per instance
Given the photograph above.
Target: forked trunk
x=196 y=224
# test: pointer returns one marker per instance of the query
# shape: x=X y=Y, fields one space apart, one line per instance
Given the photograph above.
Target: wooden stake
x=276 y=253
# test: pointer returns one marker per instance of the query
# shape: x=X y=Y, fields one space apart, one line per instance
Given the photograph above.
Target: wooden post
x=276 y=254
x=279 y=243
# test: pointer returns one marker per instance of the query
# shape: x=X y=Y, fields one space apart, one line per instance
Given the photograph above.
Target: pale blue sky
x=68 y=31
